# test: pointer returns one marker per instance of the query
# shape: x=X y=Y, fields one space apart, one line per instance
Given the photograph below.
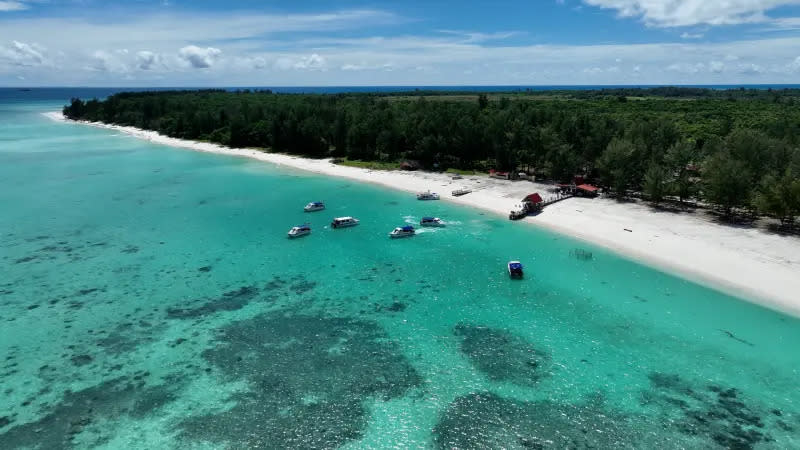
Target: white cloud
x=12 y=6
x=687 y=68
x=161 y=52
x=200 y=58
x=687 y=35
x=147 y=60
x=750 y=69
x=364 y=66
x=678 y=13
x=103 y=61
x=795 y=65
x=311 y=62
x=22 y=54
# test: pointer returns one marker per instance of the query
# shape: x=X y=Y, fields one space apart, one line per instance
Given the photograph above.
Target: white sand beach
x=747 y=262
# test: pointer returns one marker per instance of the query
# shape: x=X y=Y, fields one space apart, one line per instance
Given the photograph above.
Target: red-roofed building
x=533 y=198
x=587 y=190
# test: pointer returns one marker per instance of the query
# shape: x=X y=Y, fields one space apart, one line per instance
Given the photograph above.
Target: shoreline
x=749 y=264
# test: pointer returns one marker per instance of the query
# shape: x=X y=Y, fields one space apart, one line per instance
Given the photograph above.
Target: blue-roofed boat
x=432 y=222
x=401 y=232
x=300 y=230
x=515 y=269
x=314 y=206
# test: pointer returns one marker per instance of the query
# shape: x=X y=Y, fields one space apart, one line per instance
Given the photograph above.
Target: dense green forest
x=736 y=149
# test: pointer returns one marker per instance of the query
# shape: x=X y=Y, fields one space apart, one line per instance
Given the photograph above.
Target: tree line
x=737 y=150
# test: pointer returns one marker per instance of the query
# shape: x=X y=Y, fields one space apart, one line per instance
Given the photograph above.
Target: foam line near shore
x=749 y=263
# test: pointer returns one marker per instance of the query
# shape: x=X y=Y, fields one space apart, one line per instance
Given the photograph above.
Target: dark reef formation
x=308 y=377
x=503 y=356
x=80 y=411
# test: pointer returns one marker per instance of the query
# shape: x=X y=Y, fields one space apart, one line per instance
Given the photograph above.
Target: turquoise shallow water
x=150 y=299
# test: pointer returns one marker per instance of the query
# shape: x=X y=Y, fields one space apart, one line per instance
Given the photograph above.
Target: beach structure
x=534 y=202
x=500 y=175
x=586 y=190
x=531 y=203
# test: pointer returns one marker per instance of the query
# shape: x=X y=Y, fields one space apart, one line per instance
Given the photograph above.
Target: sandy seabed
x=746 y=262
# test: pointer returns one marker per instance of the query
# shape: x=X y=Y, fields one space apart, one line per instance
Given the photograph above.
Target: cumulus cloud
x=750 y=69
x=687 y=68
x=147 y=60
x=104 y=61
x=311 y=62
x=12 y=6
x=22 y=54
x=365 y=66
x=716 y=66
x=663 y=13
x=200 y=58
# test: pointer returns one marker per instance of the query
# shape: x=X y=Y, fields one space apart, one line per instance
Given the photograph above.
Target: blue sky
x=357 y=42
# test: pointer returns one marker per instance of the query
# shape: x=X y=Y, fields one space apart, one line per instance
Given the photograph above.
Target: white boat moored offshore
x=314 y=206
x=428 y=196
x=343 y=222
x=401 y=232
x=298 y=231
x=432 y=222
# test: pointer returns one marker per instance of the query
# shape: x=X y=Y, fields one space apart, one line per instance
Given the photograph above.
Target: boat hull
x=343 y=225
x=399 y=236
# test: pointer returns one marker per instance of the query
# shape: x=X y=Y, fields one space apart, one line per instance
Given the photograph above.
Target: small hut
x=533 y=202
x=586 y=190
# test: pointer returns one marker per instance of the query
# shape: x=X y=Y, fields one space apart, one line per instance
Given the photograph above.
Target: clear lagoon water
x=149 y=298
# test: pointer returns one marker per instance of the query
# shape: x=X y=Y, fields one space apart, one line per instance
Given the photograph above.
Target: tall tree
x=618 y=164
x=780 y=196
x=727 y=182
x=678 y=162
x=655 y=183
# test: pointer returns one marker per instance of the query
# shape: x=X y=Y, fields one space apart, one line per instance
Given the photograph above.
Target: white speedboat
x=515 y=269
x=298 y=231
x=343 y=222
x=314 y=206
x=432 y=222
x=428 y=196
x=401 y=232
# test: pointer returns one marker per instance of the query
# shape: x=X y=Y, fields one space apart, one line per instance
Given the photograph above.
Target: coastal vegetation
x=738 y=150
